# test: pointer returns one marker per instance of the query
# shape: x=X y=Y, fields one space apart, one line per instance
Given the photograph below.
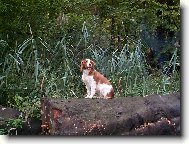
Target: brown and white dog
x=95 y=82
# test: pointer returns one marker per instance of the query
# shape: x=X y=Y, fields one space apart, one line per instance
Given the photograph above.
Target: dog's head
x=87 y=64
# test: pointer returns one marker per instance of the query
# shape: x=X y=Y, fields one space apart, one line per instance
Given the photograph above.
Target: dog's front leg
x=88 y=91
x=93 y=91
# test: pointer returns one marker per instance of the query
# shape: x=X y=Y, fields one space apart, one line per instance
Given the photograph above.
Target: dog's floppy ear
x=93 y=64
x=81 y=66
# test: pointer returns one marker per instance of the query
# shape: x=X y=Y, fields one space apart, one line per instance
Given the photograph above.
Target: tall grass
x=37 y=68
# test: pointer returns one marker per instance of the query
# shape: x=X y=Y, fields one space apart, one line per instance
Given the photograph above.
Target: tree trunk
x=151 y=115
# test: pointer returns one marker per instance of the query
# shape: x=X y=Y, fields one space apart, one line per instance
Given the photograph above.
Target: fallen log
x=150 y=115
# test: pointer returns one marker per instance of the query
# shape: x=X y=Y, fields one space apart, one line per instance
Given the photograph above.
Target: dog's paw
x=89 y=97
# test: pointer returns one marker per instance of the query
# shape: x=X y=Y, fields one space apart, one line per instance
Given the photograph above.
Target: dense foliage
x=134 y=43
x=50 y=19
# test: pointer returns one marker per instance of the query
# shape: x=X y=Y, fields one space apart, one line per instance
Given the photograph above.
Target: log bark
x=150 y=115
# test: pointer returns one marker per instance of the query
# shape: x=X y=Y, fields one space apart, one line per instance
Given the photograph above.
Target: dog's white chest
x=88 y=80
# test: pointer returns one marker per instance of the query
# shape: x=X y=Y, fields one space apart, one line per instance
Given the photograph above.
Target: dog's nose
x=90 y=64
